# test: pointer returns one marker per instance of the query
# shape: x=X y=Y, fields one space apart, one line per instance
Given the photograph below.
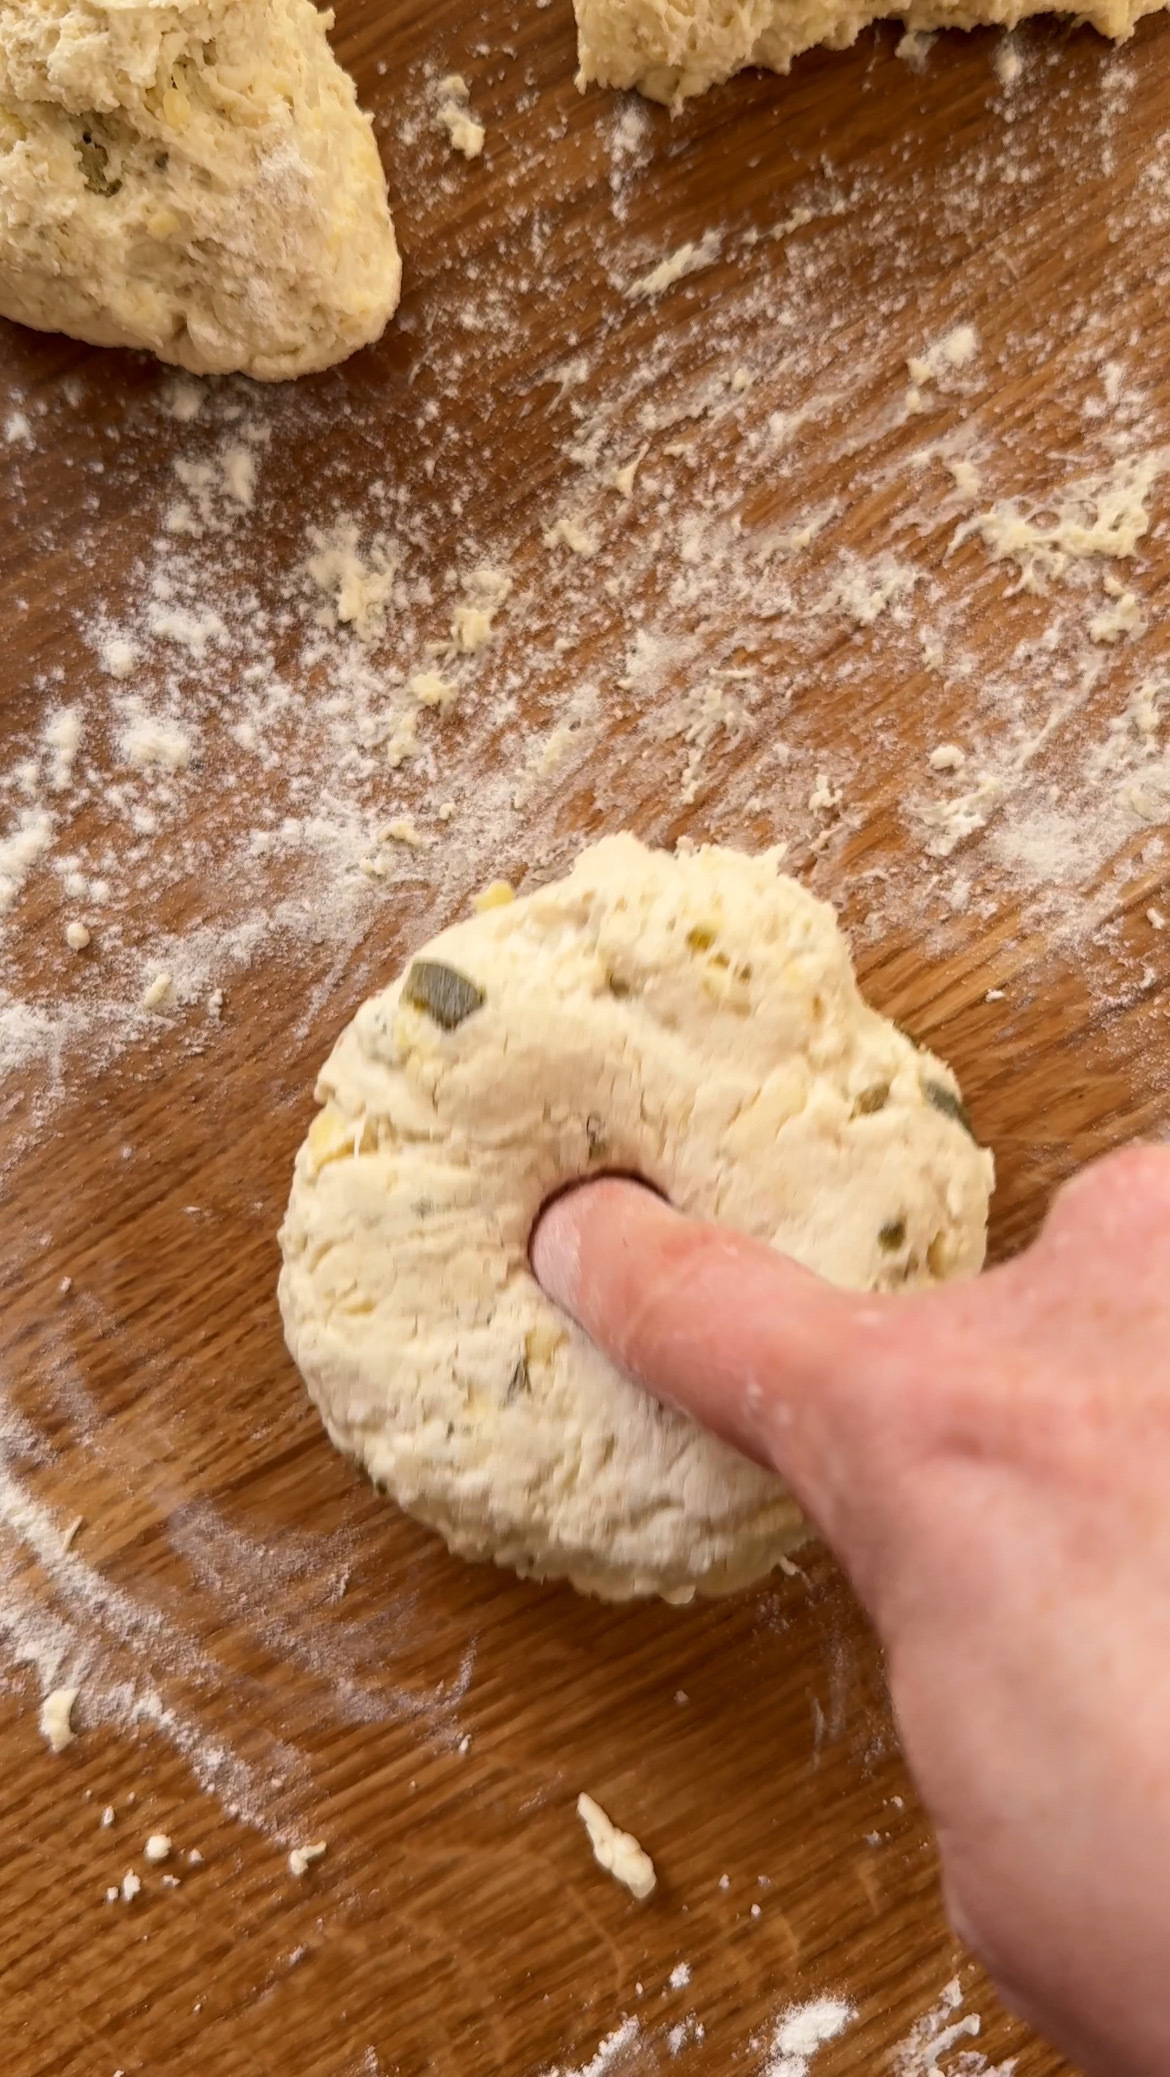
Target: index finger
x=751 y=1345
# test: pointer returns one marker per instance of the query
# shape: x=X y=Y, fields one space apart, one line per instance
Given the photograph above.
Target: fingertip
x=555 y=1248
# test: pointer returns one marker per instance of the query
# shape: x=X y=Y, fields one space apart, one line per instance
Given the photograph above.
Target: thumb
x=793 y=1371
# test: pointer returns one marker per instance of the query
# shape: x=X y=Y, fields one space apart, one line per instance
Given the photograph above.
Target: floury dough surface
x=691 y=1019
x=194 y=178
x=672 y=49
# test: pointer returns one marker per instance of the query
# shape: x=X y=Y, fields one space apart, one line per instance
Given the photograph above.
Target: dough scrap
x=195 y=178
x=672 y=49
x=618 y=1852
x=56 y=1720
x=693 y=1019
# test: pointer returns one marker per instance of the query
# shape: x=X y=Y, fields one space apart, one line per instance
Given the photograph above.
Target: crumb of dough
x=622 y=480
x=686 y=259
x=617 y=1852
x=56 y=1718
x=573 y=534
x=107 y=1817
x=914 y=47
x=358 y=582
x=967 y=479
x=956 y=348
x=78 y=1521
x=1123 y=616
x=158 y=992
x=947 y=757
x=77 y=937
x=473 y=623
x=1104 y=514
x=403 y=831
x=431 y=689
x=301 y=1858
x=157 y=1848
x=131 y=1884
x=496 y=895
x=454 y=112
x=1006 y=63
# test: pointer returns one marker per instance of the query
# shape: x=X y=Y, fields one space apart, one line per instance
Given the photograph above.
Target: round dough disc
x=691 y=1019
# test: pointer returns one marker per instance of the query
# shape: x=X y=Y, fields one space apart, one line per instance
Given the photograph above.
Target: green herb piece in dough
x=948 y=1103
x=443 y=994
x=519 y=1382
x=893 y=1236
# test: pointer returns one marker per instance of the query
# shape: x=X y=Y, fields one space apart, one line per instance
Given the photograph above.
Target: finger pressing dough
x=691 y=1019
x=672 y=49
x=195 y=178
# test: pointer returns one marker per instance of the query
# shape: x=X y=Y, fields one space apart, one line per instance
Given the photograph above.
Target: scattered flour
x=611 y=2052
x=147 y=740
x=802 y=2030
x=938 y=2034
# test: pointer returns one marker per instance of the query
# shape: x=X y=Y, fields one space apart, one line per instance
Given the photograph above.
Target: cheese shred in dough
x=690 y=1019
x=672 y=49
x=195 y=178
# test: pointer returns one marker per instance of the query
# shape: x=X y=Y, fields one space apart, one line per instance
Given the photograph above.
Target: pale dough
x=691 y=1019
x=194 y=178
x=57 y=1718
x=672 y=49
x=618 y=1852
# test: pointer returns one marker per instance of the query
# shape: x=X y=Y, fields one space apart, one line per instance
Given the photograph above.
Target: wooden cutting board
x=267 y=1653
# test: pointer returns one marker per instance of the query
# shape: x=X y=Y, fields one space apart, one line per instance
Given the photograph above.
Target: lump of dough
x=618 y=1852
x=672 y=49
x=691 y=1019
x=195 y=178
x=57 y=1718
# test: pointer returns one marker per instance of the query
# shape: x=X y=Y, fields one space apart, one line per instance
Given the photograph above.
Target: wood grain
x=332 y=1649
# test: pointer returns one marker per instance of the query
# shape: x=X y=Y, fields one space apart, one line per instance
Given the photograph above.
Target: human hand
x=991 y=1463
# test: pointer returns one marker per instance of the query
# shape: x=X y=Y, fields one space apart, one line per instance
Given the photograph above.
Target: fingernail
x=556 y=1252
